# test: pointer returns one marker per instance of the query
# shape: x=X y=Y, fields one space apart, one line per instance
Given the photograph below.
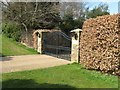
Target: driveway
x=29 y=62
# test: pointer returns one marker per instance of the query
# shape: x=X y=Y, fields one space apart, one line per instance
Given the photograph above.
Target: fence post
x=75 y=50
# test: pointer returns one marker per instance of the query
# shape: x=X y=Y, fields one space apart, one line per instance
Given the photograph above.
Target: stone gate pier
x=75 y=49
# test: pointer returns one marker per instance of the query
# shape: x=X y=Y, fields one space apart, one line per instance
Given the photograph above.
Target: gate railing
x=58 y=47
x=60 y=33
x=64 y=35
x=58 y=43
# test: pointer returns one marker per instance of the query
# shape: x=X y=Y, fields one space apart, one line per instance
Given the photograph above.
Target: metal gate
x=58 y=44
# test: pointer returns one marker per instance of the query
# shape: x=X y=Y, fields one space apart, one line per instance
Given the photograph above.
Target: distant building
x=119 y=7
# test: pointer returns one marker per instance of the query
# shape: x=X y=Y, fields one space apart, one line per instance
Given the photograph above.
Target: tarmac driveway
x=29 y=62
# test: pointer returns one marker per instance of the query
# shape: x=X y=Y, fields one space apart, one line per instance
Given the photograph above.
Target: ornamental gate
x=57 y=44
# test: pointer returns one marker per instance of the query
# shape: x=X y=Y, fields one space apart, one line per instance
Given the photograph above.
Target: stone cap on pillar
x=76 y=30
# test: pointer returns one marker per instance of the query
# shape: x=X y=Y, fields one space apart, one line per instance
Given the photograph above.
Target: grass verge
x=12 y=48
x=65 y=76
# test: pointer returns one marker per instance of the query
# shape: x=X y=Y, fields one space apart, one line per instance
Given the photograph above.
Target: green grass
x=12 y=48
x=65 y=76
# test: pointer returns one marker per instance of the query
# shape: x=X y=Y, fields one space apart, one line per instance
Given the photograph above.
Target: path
x=29 y=62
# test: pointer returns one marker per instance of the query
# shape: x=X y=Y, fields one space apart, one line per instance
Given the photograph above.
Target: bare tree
x=72 y=8
x=31 y=15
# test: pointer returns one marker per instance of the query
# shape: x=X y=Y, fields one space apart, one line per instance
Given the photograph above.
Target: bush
x=11 y=31
x=69 y=23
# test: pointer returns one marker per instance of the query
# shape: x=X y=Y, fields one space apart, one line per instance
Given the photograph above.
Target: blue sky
x=113 y=6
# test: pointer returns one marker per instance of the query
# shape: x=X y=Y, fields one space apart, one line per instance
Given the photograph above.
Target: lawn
x=65 y=76
x=12 y=48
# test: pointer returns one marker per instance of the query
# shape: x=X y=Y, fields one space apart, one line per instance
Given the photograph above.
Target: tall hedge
x=99 y=44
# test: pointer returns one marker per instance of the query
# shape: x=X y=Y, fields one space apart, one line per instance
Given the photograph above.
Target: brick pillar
x=75 y=51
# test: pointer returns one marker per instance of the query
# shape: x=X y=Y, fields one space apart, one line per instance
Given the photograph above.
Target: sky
x=113 y=6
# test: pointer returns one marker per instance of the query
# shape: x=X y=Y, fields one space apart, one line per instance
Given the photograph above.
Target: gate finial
x=76 y=30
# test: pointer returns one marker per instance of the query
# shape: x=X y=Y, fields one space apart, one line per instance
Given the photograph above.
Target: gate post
x=75 y=50
x=39 y=40
x=41 y=46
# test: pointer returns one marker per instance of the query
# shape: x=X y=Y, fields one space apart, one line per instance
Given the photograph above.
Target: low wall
x=99 y=44
x=27 y=39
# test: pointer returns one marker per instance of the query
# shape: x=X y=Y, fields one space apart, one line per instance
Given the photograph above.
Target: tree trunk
x=26 y=29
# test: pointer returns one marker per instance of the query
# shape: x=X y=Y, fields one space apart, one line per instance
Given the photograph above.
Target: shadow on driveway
x=5 y=58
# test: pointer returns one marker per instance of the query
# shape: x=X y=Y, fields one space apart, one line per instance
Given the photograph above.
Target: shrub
x=11 y=31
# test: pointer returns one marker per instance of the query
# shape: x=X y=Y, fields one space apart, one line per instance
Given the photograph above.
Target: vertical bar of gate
x=58 y=45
